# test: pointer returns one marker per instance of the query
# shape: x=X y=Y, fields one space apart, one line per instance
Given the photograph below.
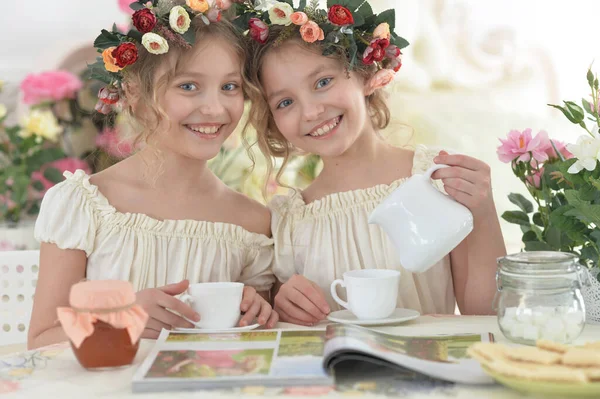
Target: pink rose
x=519 y=145
x=110 y=142
x=535 y=179
x=311 y=32
x=124 y=6
x=213 y=15
x=63 y=165
x=299 y=18
x=561 y=147
x=50 y=86
x=259 y=31
x=381 y=79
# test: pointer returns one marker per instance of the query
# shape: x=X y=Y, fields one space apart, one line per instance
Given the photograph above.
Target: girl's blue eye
x=188 y=86
x=323 y=82
x=284 y=103
x=230 y=87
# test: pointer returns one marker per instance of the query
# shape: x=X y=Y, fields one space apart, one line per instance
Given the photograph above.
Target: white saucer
x=347 y=317
x=223 y=330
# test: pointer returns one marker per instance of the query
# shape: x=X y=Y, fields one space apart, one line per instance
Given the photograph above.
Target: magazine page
x=441 y=357
x=183 y=360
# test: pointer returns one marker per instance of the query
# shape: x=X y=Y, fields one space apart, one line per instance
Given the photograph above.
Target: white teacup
x=371 y=293
x=423 y=223
x=217 y=303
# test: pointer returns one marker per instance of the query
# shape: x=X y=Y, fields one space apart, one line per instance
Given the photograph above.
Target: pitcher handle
x=430 y=171
x=334 y=292
x=187 y=299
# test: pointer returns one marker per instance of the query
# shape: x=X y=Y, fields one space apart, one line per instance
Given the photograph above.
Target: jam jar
x=103 y=323
x=539 y=296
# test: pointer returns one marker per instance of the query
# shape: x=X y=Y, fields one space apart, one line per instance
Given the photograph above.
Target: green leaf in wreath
x=522 y=202
x=388 y=16
x=106 y=39
x=516 y=217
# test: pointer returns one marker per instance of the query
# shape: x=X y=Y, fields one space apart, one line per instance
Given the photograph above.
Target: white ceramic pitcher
x=423 y=223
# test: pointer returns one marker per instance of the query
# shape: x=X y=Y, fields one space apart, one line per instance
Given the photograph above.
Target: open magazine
x=191 y=360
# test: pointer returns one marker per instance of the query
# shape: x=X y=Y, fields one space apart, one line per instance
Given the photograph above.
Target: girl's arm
x=474 y=265
x=59 y=270
x=468 y=181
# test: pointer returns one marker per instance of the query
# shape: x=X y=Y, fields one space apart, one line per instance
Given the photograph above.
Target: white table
x=53 y=372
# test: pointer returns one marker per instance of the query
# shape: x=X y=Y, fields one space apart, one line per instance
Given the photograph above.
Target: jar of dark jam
x=103 y=323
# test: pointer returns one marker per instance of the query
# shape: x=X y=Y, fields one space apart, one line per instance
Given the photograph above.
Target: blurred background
x=474 y=71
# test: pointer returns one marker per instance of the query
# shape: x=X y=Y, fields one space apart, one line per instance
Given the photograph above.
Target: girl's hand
x=300 y=301
x=158 y=303
x=255 y=306
x=467 y=180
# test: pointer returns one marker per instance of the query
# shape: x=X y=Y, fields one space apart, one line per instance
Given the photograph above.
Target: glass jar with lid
x=103 y=323
x=539 y=296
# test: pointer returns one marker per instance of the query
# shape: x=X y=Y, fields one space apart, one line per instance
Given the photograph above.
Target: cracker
x=595 y=345
x=533 y=355
x=592 y=373
x=551 y=346
x=538 y=372
x=486 y=351
x=581 y=357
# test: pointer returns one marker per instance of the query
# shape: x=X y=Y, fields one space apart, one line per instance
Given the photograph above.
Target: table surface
x=54 y=370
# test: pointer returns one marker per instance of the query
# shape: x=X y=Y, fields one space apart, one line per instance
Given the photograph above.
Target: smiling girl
x=318 y=76
x=160 y=219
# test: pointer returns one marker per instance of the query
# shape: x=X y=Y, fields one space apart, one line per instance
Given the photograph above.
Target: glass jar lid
x=539 y=264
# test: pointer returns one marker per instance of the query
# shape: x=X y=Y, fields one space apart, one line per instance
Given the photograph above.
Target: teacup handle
x=187 y=299
x=334 y=292
x=430 y=171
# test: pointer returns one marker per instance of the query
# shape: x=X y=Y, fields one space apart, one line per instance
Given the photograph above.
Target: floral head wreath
x=156 y=25
x=347 y=26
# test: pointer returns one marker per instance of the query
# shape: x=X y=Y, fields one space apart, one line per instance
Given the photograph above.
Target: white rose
x=179 y=19
x=2 y=111
x=280 y=14
x=154 y=43
x=587 y=152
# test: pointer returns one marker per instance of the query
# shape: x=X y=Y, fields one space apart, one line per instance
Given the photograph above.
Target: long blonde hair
x=269 y=139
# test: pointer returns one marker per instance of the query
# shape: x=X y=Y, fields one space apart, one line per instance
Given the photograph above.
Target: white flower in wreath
x=3 y=111
x=586 y=151
x=281 y=14
x=264 y=5
x=179 y=19
x=154 y=43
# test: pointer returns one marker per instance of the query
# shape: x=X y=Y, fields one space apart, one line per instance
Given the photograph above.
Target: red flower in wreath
x=375 y=51
x=144 y=20
x=125 y=54
x=340 y=15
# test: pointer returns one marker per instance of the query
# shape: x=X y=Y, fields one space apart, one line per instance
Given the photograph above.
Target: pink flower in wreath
x=50 y=86
x=518 y=146
x=63 y=165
